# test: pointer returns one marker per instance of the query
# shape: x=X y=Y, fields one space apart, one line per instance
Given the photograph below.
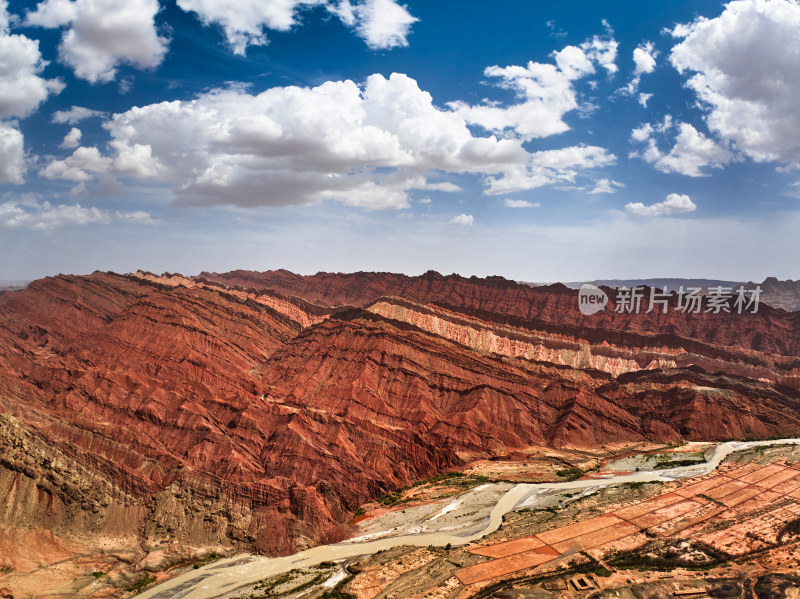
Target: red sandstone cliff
x=193 y=412
x=770 y=330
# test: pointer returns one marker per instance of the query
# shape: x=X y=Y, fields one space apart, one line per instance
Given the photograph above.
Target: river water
x=227 y=574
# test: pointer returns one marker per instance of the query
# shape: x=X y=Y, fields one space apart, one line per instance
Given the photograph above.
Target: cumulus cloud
x=102 y=34
x=22 y=90
x=605 y=186
x=462 y=220
x=743 y=67
x=80 y=167
x=642 y=133
x=603 y=50
x=691 y=153
x=12 y=154
x=545 y=91
x=674 y=204
x=244 y=21
x=72 y=139
x=31 y=213
x=644 y=57
x=21 y=87
x=76 y=114
x=382 y=24
x=520 y=203
x=549 y=167
x=365 y=145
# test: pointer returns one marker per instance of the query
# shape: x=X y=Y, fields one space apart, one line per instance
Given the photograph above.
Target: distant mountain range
x=671 y=283
x=11 y=285
x=776 y=293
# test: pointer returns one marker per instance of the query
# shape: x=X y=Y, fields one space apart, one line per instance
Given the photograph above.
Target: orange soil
x=766 y=496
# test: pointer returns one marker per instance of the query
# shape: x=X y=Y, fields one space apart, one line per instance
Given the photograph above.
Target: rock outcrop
x=782 y=294
x=259 y=415
x=769 y=330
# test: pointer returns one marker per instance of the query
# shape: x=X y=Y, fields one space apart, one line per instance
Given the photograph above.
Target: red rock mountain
x=770 y=329
x=262 y=414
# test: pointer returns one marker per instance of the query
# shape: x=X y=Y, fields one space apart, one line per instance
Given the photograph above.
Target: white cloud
x=555 y=31
x=32 y=214
x=691 y=153
x=135 y=160
x=743 y=66
x=605 y=186
x=644 y=57
x=462 y=220
x=345 y=11
x=102 y=34
x=382 y=24
x=545 y=91
x=12 y=154
x=144 y=218
x=674 y=204
x=573 y=62
x=21 y=87
x=76 y=114
x=445 y=186
x=243 y=21
x=549 y=167
x=520 y=203
x=72 y=139
x=22 y=90
x=363 y=145
x=567 y=160
x=425 y=201
x=80 y=167
x=665 y=125
x=642 y=133
x=603 y=50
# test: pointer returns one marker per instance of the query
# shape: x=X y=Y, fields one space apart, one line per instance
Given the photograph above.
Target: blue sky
x=539 y=141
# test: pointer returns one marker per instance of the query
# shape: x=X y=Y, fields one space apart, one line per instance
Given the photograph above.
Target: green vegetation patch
x=141 y=583
x=280 y=586
x=450 y=479
x=666 y=556
x=663 y=465
x=570 y=474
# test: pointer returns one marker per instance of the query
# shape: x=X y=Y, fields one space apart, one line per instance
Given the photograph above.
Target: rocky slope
x=769 y=330
x=167 y=412
x=611 y=351
x=782 y=294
